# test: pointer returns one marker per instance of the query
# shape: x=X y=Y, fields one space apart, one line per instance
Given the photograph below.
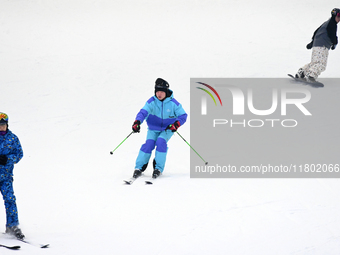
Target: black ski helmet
x=335 y=12
x=161 y=85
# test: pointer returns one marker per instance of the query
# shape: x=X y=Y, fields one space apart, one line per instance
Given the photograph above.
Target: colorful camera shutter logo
x=204 y=102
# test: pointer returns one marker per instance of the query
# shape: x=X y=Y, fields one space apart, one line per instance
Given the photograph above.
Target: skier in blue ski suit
x=10 y=154
x=163 y=115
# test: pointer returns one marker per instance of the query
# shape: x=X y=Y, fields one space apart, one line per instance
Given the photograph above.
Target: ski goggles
x=3 y=118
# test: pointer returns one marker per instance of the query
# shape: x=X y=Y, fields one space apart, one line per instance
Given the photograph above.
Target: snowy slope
x=73 y=76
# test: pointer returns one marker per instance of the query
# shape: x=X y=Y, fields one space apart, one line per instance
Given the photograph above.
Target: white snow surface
x=74 y=73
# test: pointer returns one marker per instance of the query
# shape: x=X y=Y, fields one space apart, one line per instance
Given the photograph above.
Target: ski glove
x=333 y=46
x=174 y=127
x=3 y=160
x=309 y=45
x=136 y=126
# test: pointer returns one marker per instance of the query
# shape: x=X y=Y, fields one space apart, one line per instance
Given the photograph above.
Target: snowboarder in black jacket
x=324 y=38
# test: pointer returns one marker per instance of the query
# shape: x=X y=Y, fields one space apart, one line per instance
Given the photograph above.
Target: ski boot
x=137 y=173
x=156 y=173
x=15 y=231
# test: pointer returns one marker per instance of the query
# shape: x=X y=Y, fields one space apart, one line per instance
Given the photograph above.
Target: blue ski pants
x=7 y=192
x=158 y=139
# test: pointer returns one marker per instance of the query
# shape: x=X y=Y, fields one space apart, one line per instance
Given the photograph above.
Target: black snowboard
x=315 y=84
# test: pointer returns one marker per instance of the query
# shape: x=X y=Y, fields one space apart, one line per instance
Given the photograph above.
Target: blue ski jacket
x=9 y=146
x=160 y=114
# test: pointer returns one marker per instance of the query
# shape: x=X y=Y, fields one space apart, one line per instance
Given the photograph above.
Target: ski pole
x=192 y=148
x=111 y=152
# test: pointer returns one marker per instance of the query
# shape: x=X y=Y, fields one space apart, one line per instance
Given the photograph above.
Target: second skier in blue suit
x=163 y=115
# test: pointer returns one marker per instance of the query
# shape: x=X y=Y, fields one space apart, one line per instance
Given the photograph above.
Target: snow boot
x=310 y=79
x=300 y=74
x=156 y=173
x=15 y=231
